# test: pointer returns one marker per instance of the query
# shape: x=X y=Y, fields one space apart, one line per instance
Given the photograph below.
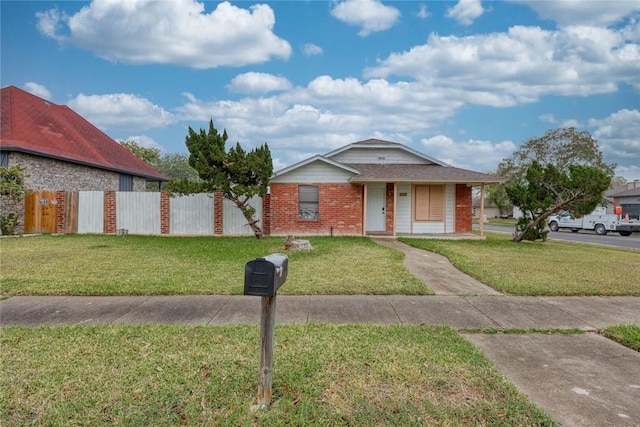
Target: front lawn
x=324 y=375
x=627 y=335
x=156 y=265
x=542 y=268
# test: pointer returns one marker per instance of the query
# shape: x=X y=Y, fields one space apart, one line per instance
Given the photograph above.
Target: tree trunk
x=248 y=213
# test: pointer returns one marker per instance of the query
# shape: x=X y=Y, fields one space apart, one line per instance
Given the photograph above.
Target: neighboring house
x=373 y=187
x=62 y=151
x=629 y=200
x=490 y=210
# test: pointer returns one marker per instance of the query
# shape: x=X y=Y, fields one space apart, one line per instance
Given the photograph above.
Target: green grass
x=542 y=268
x=627 y=335
x=155 y=265
x=324 y=375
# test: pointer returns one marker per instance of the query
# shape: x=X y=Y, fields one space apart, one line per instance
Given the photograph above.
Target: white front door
x=376 y=214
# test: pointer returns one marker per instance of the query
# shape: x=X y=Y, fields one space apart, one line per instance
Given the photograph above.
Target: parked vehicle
x=599 y=221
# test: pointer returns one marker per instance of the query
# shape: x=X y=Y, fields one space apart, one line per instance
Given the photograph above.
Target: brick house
x=61 y=151
x=373 y=187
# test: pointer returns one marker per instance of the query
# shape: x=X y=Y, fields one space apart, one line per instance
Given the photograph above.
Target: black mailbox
x=263 y=276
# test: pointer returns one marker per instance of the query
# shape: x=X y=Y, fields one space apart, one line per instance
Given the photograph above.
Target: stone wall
x=41 y=173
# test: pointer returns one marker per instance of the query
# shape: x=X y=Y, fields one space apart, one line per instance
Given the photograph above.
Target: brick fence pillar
x=165 y=213
x=60 y=211
x=217 y=213
x=110 y=223
x=266 y=215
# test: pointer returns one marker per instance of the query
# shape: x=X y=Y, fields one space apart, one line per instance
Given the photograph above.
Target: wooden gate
x=40 y=212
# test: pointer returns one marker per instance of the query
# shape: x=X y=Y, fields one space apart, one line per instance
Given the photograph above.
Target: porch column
x=395 y=207
x=481 y=210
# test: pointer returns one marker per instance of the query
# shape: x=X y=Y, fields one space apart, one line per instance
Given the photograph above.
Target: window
x=429 y=203
x=4 y=159
x=308 y=202
x=126 y=182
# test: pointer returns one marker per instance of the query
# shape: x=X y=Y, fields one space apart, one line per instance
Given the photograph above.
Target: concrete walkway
x=579 y=379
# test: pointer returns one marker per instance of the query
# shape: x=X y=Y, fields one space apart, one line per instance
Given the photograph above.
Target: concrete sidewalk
x=586 y=313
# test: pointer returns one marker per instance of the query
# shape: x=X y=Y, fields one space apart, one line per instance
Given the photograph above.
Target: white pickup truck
x=599 y=221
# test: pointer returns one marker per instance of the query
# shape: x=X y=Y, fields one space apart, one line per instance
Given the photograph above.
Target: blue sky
x=463 y=81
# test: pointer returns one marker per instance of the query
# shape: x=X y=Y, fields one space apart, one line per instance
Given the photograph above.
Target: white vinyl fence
x=138 y=212
x=192 y=215
x=90 y=212
x=233 y=221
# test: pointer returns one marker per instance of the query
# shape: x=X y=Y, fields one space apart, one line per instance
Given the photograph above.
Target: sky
x=466 y=82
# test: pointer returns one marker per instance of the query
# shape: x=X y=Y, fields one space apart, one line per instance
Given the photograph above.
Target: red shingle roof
x=33 y=125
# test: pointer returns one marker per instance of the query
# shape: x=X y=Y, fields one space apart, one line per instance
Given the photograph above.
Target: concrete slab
x=600 y=311
x=526 y=312
x=444 y=310
x=579 y=380
x=59 y=310
x=437 y=272
x=292 y=309
x=352 y=309
x=239 y=309
x=175 y=309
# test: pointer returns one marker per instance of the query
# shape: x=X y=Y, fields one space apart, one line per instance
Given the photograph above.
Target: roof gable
x=33 y=125
x=366 y=152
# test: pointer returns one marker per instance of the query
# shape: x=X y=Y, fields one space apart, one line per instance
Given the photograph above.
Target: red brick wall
x=165 y=213
x=110 y=212
x=60 y=211
x=340 y=210
x=463 y=209
x=389 y=209
x=266 y=215
x=217 y=213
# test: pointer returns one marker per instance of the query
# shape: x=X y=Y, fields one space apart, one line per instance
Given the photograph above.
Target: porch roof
x=417 y=173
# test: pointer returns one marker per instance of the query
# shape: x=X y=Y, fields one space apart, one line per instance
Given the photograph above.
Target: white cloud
x=370 y=15
x=38 y=90
x=521 y=65
x=423 y=12
x=145 y=141
x=581 y=12
x=171 y=32
x=121 y=111
x=470 y=154
x=258 y=83
x=617 y=136
x=548 y=118
x=466 y=11
x=310 y=49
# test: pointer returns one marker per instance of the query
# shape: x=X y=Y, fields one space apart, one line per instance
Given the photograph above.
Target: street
x=610 y=239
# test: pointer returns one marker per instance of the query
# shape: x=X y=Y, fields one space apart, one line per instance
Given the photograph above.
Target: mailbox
x=263 y=276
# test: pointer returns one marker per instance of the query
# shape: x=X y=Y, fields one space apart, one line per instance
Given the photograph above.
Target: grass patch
x=541 y=268
x=324 y=375
x=627 y=335
x=156 y=265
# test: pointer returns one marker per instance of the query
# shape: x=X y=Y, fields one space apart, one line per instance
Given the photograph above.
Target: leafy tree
x=496 y=195
x=150 y=156
x=174 y=165
x=555 y=154
x=12 y=190
x=548 y=189
x=559 y=147
x=238 y=174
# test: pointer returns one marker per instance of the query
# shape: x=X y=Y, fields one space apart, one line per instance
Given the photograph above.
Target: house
x=60 y=151
x=628 y=200
x=373 y=187
x=490 y=210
